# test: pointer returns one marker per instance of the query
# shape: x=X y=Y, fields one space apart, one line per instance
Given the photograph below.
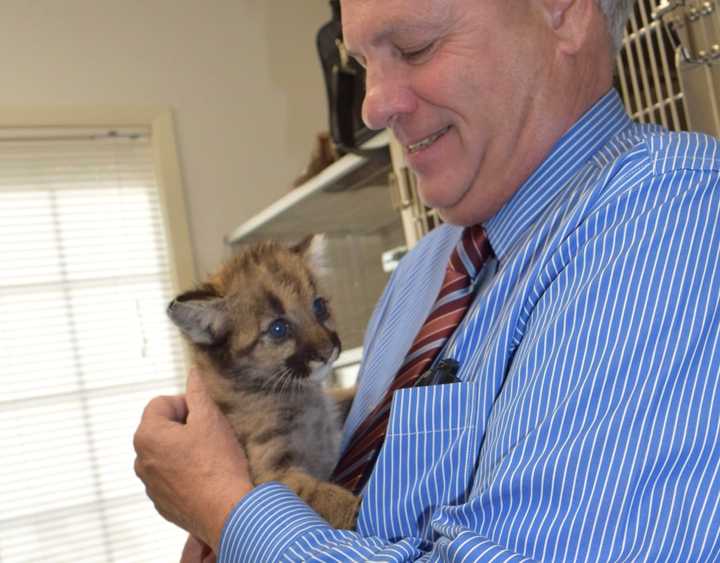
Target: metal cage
x=646 y=73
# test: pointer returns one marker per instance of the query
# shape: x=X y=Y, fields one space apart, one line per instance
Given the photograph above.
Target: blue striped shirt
x=586 y=423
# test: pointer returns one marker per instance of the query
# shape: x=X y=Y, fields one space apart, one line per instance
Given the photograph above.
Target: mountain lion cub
x=264 y=338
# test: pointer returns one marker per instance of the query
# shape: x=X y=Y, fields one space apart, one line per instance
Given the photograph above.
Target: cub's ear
x=313 y=249
x=302 y=246
x=201 y=315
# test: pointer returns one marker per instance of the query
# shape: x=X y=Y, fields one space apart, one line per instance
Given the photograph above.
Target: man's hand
x=193 y=468
x=196 y=551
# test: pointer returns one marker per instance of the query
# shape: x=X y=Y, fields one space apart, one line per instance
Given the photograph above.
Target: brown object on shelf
x=323 y=155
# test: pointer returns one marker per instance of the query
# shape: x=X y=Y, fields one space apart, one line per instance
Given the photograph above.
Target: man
x=583 y=421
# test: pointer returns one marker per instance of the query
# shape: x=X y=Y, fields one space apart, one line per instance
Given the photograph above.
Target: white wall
x=242 y=77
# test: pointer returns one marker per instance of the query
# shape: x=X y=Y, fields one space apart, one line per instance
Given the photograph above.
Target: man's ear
x=201 y=315
x=571 y=21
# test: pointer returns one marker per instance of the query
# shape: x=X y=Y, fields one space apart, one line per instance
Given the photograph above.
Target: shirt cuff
x=265 y=523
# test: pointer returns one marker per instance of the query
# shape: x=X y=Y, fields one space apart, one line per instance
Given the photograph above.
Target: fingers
x=178 y=405
x=197 y=396
x=203 y=414
x=171 y=408
x=162 y=417
x=207 y=554
x=195 y=387
x=194 y=551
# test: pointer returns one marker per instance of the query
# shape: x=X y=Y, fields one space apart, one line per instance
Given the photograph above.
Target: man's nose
x=387 y=94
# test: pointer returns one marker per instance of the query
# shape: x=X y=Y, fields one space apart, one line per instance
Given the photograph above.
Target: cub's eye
x=320 y=308
x=279 y=329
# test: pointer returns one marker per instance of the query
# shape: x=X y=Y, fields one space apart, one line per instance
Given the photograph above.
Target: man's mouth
x=427 y=141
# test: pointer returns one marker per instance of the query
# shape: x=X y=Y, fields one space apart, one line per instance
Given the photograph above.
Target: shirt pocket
x=427 y=461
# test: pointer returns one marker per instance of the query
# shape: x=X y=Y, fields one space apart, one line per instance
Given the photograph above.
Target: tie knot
x=471 y=251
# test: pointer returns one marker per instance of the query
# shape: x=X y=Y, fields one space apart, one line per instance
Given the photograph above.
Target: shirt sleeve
x=273 y=524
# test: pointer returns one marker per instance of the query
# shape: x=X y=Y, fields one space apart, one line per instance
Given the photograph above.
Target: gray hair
x=617 y=13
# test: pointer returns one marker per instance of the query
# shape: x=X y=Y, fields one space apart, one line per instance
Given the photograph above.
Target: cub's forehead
x=271 y=298
x=267 y=268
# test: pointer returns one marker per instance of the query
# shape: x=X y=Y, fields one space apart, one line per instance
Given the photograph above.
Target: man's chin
x=460 y=206
x=454 y=216
x=465 y=213
x=436 y=194
x=453 y=210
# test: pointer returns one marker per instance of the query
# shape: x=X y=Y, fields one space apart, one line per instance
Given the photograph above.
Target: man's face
x=458 y=83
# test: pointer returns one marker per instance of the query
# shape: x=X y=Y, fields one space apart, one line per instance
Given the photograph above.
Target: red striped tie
x=452 y=302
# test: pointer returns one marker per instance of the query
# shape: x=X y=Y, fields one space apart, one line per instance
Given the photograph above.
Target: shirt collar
x=604 y=120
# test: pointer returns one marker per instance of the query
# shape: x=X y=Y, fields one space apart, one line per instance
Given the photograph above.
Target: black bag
x=345 y=86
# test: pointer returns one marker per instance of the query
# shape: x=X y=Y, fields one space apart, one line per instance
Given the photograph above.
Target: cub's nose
x=325 y=347
x=324 y=357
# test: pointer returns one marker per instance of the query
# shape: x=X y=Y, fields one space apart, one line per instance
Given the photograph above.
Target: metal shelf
x=350 y=196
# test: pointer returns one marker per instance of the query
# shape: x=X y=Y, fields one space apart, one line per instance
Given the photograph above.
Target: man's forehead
x=375 y=21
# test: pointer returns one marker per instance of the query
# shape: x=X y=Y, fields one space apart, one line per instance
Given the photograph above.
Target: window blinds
x=84 y=344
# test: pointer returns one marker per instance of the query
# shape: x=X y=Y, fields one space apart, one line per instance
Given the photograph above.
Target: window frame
x=166 y=165
x=160 y=122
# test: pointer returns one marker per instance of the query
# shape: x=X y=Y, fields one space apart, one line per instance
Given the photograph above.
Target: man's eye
x=279 y=329
x=416 y=54
x=320 y=308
